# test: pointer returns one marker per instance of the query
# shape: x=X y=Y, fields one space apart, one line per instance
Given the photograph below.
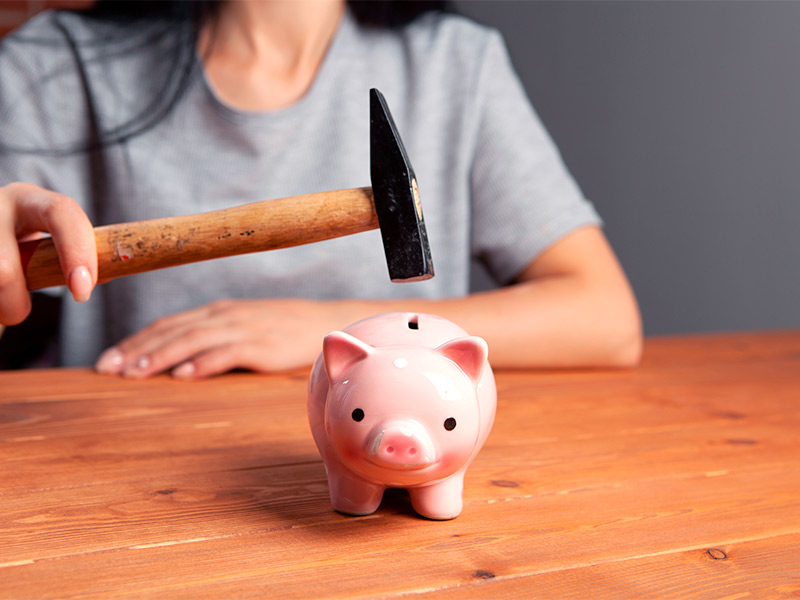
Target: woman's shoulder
x=28 y=46
x=54 y=28
x=41 y=26
x=450 y=33
x=442 y=56
x=449 y=47
x=69 y=63
x=35 y=52
x=449 y=25
x=57 y=43
x=54 y=34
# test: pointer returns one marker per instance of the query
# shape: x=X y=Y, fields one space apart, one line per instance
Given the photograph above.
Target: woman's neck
x=262 y=55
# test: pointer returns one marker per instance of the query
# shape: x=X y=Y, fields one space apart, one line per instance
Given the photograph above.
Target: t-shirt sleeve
x=20 y=127
x=41 y=104
x=523 y=197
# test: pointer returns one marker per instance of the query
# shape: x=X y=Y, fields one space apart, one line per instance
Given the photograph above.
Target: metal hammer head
x=396 y=197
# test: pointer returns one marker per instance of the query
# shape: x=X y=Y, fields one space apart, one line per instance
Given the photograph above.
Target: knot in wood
x=505 y=483
x=717 y=554
x=481 y=574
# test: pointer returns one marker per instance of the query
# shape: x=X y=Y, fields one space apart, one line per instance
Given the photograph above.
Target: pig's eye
x=358 y=414
x=450 y=423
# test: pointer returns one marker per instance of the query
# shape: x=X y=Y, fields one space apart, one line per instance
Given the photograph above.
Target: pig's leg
x=352 y=495
x=442 y=500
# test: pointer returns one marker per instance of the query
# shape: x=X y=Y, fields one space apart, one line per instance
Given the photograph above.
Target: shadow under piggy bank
x=286 y=492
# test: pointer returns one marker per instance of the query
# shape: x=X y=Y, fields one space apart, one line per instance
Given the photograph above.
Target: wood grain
x=141 y=246
x=678 y=479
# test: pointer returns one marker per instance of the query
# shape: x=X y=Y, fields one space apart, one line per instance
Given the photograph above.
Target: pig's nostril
x=412 y=451
x=390 y=449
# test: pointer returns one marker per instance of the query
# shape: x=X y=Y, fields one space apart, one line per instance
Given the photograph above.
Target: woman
x=271 y=101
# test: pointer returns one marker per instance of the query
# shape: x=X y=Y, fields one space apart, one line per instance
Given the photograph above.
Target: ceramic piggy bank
x=403 y=401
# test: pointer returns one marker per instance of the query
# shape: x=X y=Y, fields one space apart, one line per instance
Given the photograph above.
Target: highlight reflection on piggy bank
x=403 y=401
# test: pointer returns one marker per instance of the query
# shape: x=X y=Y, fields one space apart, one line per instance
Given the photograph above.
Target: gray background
x=680 y=122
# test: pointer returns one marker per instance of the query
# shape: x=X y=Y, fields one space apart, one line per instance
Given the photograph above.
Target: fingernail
x=184 y=371
x=80 y=283
x=110 y=361
x=136 y=370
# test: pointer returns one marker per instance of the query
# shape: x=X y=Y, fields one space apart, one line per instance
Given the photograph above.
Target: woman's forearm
x=573 y=307
x=554 y=322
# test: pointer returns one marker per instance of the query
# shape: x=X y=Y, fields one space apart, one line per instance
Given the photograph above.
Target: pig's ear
x=341 y=351
x=469 y=353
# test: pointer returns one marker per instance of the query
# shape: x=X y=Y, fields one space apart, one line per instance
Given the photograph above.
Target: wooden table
x=680 y=479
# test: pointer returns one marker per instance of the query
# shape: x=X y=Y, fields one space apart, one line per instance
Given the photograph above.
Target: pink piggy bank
x=403 y=401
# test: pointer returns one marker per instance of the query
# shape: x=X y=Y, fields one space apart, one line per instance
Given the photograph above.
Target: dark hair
x=378 y=13
x=126 y=26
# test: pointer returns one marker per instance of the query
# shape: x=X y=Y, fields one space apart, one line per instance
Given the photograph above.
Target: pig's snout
x=402 y=445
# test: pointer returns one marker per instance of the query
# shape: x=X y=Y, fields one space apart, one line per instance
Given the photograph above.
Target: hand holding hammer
x=392 y=203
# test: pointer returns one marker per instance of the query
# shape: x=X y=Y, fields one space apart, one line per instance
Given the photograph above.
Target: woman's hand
x=260 y=335
x=26 y=212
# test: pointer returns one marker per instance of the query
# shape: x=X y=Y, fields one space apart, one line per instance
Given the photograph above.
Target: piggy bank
x=400 y=401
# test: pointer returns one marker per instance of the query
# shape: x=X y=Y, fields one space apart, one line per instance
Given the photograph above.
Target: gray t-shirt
x=492 y=183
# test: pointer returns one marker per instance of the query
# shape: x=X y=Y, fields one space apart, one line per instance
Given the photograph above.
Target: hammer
x=392 y=203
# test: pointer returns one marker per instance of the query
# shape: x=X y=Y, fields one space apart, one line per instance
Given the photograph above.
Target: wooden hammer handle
x=142 y=246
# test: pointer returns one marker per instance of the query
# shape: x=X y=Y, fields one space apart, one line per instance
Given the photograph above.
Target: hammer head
x=396 y=197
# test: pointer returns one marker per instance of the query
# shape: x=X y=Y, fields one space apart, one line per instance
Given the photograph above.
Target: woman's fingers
x=135 y=351
x=222 y=359
x=72 y=232
x=25 y=211
x=15 y=302
x=261 y=335
x=179 y=349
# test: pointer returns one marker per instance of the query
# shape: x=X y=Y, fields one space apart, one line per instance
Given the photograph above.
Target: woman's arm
x=572 y=306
